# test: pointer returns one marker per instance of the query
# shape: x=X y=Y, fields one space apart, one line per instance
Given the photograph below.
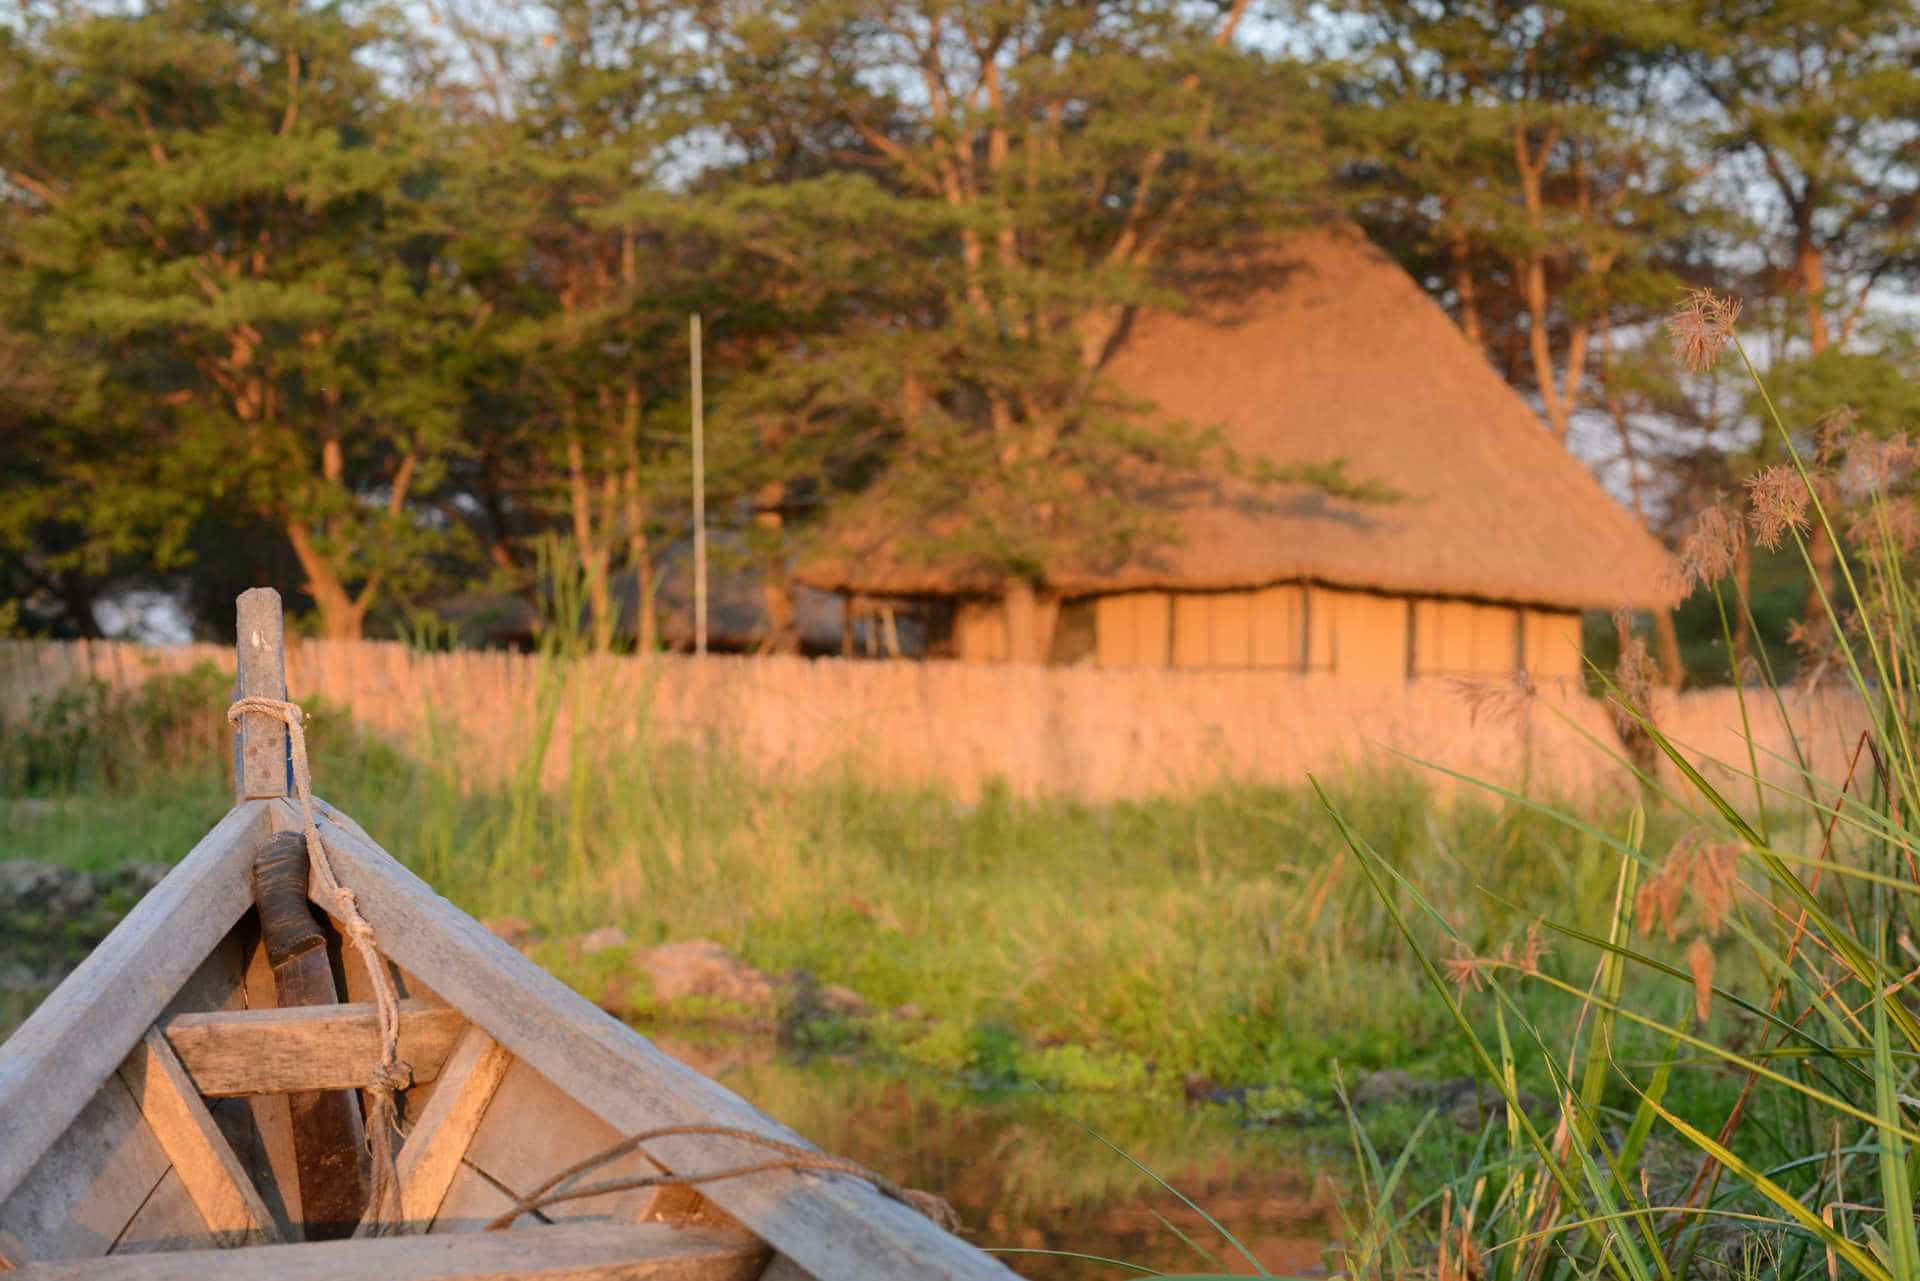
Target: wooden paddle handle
x=328 y=1133
x=280 y=892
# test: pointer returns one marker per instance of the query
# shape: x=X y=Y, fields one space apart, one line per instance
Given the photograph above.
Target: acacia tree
x=225 y=224
x=1026 y=170
x=1517 y=157
x=1812 y=110
x=590 y=300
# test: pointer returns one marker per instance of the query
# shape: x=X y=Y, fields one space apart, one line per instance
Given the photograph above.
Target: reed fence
x=1094 y=734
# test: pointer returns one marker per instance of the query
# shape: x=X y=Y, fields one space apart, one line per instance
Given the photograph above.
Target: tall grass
x=1764 y=937
x=1085 y=948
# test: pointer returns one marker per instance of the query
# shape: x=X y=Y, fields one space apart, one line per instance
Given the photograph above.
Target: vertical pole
x=329 y=1133
x=699 y=494
x=262 y=764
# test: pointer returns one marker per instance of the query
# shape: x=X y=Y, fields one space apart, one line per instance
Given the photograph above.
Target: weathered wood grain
x=73 y=1044
x=533 y=1131
x=168 y=1221
x=260 y=764
x=211 y=1174
x=472 y=1201
x=275 y=1169
x=306 y=1047
x=832 y=1226
x=89 y=1184
x=220 y=981
x=591 y=1252
x=431 y=1155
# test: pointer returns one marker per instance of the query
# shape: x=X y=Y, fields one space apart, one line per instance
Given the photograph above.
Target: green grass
x=1113 y=948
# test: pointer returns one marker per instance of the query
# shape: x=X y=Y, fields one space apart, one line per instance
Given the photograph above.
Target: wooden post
x=328 y=1136
x=699 y=491
x=262 y=764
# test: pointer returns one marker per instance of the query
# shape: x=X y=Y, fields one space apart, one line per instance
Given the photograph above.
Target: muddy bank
x=52 y=916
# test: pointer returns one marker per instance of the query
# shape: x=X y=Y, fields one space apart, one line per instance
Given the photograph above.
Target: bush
x=90 y=734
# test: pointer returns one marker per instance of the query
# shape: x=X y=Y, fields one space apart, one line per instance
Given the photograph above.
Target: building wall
x=1358 y=635
x=1294 y=627
x=980 y=632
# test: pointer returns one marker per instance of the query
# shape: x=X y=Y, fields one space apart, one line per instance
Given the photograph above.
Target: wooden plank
x=225 y=1196
x=260 y=762
x=168 y=1221
x=832 y=1225
x=534 y=1130
x=781 y=1268
x=587 y=1252
x=88 y=1186
x=275 y=1170
x=220 y=981
x=307 y=1047
x=473 y=1201
x=431 y=1155
x=73 y=1044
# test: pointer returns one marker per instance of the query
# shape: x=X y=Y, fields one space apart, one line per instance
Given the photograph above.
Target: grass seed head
x=1702 y=328
x=1709 y=550
x=1502 y=702
x=1778 y=500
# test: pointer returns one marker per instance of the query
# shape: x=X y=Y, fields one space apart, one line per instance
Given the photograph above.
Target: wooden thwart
x=231 y=1053
x=593 y=1252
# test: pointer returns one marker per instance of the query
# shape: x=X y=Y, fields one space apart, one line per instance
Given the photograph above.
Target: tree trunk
x=776 y=586
x=1030 y=618
x=341 y=616
x=593 y=558
x=1812 y=270
x=1468 y=292
x=1667 y=637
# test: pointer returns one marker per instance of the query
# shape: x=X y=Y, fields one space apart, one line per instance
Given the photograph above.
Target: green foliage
x=89 y=735
x=223 y=236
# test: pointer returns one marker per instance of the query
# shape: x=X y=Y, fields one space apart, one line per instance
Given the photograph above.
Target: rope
x=384 y=1214
x=791 y=1157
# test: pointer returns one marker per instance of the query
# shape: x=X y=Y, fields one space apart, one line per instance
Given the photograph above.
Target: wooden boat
x=183 y=1107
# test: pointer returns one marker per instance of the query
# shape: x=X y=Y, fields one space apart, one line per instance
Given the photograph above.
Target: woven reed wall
x=1096 y=734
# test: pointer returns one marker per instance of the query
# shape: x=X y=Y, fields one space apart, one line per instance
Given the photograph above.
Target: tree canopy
x=395 y=298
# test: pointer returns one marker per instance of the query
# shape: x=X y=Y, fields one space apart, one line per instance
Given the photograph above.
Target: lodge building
x=1476 y=555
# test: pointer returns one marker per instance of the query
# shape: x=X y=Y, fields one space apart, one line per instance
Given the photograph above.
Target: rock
x=702 y=968
x=1463 y=1100
x=815 y=1018
x=131 y=881
x=28 y=885
x=845 y=1002
x=515 y=931
x=604 y=939
x=1389 y=1085
x=1200 y=1089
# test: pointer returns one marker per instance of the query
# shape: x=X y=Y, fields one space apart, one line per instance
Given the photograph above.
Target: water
x=1028 y=1176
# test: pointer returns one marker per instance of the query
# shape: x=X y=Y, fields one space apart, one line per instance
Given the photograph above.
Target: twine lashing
x=790 y=1156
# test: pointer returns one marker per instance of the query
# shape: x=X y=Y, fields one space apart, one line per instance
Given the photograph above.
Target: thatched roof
x=1318 y=348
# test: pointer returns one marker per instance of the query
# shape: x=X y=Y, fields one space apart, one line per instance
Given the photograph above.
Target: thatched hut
x=1318 y=348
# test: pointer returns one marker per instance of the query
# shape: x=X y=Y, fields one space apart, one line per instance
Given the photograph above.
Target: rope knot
x=396 y=1075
